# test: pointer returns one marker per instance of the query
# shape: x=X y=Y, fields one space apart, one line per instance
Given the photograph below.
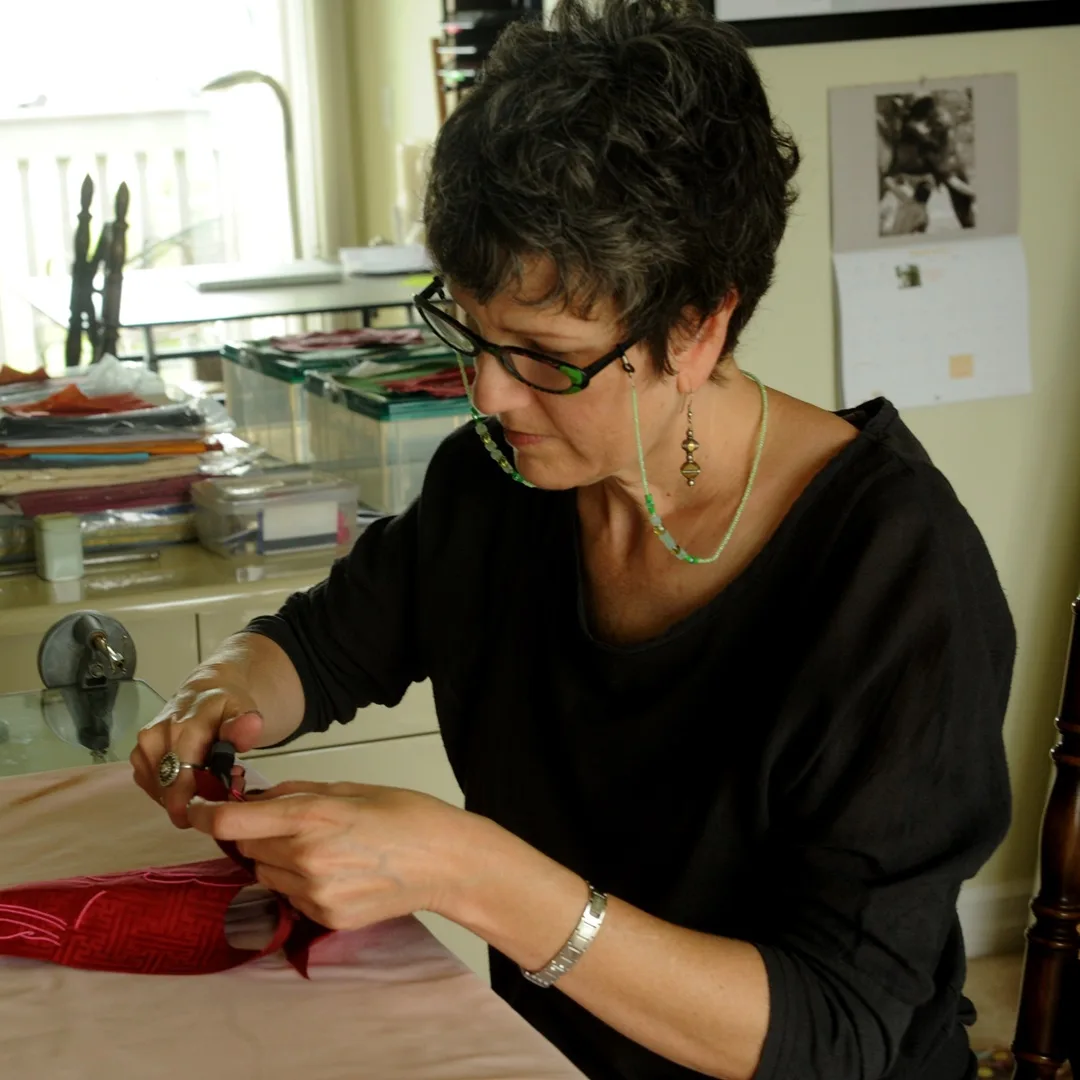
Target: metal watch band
x=579 y=941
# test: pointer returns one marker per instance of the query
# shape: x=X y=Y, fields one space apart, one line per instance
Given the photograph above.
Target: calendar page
x=931 y=279
x=933 y=325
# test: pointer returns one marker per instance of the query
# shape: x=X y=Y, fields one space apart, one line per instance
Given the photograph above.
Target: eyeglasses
x=535 y=369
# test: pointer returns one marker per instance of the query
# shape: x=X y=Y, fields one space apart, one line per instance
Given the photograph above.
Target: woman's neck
x=727 y=420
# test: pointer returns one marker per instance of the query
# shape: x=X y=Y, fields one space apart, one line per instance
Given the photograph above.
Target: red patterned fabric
x=167 y=921
x=161 y=921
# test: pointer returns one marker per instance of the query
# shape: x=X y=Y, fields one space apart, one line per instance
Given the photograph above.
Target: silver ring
x=169 y=768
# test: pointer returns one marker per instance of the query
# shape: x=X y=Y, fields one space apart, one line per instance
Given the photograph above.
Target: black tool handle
x=220 y=762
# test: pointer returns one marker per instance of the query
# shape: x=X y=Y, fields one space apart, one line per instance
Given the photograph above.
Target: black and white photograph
x=926 y=150
x=924 y=162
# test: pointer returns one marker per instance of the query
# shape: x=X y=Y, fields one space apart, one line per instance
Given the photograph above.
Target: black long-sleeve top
x=811 y=762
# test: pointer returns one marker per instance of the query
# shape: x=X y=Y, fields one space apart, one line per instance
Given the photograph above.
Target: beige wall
x=1014 y=462
x=395 y=98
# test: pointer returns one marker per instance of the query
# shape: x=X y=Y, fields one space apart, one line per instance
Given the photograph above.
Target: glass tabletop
x=57 y=729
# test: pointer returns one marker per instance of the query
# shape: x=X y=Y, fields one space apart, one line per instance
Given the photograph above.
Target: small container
x=58 y=547
x=284 y=510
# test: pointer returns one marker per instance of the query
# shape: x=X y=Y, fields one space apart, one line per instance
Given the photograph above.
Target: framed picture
x=793 y=22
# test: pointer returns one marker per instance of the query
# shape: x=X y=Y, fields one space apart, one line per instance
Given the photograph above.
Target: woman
x=721 y=675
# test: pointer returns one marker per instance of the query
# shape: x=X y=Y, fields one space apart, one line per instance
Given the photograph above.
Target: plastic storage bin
x=264 y=393
x=279 y=511
x=382 y=448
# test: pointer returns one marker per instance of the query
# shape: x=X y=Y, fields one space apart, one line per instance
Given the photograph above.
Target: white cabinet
x=415 y=715
x=418 y=762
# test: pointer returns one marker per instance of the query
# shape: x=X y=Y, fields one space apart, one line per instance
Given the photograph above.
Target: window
x=113 y=89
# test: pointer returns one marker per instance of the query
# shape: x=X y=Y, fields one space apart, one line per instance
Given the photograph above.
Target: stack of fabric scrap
x=265 y=380
x=378 y=422
x=348 y=342
x=409 y=382
x=403 y=372
x=111 y=446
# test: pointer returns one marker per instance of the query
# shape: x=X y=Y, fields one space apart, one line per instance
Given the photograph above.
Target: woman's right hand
x=208 y=707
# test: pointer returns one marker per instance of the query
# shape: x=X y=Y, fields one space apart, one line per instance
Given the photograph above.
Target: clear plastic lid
x=227 y=493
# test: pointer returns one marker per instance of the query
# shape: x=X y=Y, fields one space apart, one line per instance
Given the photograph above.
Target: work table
x=178 y=610
x=385 y=1003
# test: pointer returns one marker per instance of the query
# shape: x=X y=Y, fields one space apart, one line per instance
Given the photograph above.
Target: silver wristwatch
x=579 y=941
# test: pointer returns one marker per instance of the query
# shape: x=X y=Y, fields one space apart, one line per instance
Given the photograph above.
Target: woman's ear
x=700 y=352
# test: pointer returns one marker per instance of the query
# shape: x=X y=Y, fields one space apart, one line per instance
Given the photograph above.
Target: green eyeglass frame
x=442 y=324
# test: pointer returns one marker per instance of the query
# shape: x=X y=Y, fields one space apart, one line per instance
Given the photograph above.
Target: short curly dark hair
x=631 y=145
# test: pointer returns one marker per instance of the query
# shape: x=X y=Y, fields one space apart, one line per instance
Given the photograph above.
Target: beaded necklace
x=659 y=528
x=654 y=518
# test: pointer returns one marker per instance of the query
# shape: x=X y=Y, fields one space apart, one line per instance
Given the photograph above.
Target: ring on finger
x=169 y=768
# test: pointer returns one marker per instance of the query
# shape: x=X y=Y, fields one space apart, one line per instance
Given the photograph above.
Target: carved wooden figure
x=110 y=253
x=1048 y=1024
x=115 y=254
x=83 y=317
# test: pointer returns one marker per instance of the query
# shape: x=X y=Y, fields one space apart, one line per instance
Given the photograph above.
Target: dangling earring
x=690 y=470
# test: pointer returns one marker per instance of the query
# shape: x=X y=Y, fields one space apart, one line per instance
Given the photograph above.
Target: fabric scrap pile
x=110 y=445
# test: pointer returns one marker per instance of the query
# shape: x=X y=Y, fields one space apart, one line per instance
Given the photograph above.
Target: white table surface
x=164 y=297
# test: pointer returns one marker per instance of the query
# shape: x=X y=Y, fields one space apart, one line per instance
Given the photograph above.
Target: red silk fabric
x=161 y=921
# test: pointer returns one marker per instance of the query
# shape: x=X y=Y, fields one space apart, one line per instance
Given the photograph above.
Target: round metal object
x=169 y=769
x=61 y=651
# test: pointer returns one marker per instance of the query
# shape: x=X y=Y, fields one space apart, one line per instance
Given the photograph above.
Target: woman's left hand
x=348 y=855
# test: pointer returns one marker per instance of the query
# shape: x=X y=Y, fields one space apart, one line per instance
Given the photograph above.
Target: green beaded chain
x=486 y=438
x=658 y=526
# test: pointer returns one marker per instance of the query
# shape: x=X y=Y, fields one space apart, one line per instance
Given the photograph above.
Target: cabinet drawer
x=417 y=762
x=225 y=619
x=414 y=715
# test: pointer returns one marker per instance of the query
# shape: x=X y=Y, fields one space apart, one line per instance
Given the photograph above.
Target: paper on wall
x=935 y=324
x=930 y=271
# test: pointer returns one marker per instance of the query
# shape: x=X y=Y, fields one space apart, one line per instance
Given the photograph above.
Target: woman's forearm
x=696 y=999
x=262 y=668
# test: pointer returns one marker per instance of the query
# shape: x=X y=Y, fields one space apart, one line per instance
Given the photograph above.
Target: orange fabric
x=9 y=376
x=71 y=401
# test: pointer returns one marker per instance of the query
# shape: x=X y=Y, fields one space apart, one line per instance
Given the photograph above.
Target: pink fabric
x=366 y=338
x=386 y=1003
x=440 y=384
